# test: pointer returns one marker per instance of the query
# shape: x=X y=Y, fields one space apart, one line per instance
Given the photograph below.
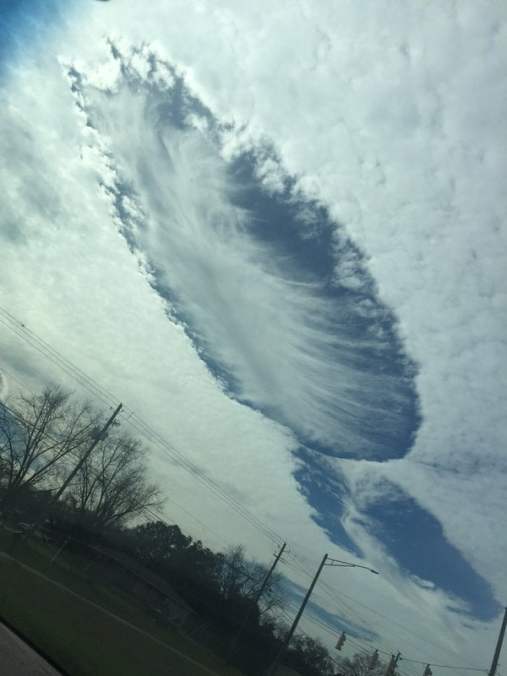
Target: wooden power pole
x=272 y=669
x=499 y=643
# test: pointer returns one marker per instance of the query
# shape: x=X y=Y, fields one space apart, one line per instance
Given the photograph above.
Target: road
x=18 y=659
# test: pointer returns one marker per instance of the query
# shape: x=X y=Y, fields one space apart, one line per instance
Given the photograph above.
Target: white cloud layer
x=393 y=115
x=289 y=349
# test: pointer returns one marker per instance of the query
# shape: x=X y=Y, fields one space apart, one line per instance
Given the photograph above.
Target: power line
x=23 y=332
x=443 y=666
x=355 y=641
x=363 y=649
x=19 y=329
x=90 y=384
x=348 y=609
x=312 y=618
x=210 y=483
x=16 y=415
x=159 y=517
x=135 y=421
x=332 y=632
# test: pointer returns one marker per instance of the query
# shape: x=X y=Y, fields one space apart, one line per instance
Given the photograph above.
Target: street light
x=345 y=564
x=326 y=561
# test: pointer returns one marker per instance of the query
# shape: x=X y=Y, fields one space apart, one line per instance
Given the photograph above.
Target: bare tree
x=359 y=665
x=273 y=595
x=38 y=434
x=111 y=485
x=241 y=577
x=233 y=574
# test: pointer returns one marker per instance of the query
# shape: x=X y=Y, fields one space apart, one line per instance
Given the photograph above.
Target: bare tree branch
x=111 y=485
x=37 y=434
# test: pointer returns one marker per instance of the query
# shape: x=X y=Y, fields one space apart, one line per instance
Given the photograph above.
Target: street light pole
x=496 y=656
x=272 y=669
x=326 y=561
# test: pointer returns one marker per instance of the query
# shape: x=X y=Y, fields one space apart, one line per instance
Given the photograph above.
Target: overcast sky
x=276 y=232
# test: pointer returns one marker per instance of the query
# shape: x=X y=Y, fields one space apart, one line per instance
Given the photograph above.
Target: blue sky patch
x=23 y=22
x=415 y=538
x=325 y=492
x=329 y=620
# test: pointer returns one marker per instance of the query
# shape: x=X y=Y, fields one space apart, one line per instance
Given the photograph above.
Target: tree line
x=47 y=436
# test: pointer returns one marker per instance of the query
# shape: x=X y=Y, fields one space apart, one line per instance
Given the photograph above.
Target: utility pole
x=499 y=643
x=270 y=572
x=373 y=661
x=392 y=664
x=98 y=437
x=256 y=599
x=272 y=669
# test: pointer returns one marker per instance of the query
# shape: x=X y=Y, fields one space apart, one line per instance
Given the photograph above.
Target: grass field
x=86 y=629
